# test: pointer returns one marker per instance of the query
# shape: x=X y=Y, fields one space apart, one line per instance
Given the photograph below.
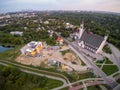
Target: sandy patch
x=69 y=56
x=29 y=60
x=64 y=48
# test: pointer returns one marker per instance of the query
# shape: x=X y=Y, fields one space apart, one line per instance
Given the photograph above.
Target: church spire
x=81 y=29
x=82 y=25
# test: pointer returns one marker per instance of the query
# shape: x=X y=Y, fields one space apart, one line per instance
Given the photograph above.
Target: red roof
x=59 y=38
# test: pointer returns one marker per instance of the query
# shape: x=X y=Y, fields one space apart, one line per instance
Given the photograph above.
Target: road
x=109 y=80
x=87 y=84
x=92 y=81
x=115 y=55
x=84 y=80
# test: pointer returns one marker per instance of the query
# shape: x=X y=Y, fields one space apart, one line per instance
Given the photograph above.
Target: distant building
x=16 y=33
x=46 y=22
x=25 y=28
x=31 y=49
x=68 y=25
x=5 y=16
x=50 y=33
x=90 y=41
x=60 y=40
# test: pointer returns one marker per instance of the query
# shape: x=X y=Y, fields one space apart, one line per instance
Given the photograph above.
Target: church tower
x=81 y=30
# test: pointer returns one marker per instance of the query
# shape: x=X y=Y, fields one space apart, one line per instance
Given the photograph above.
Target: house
x=90 y=41
x=16 y=33
x=46 y=22
x=68 y=25
x=51 y=32
x=32 y=49
x=60 y=40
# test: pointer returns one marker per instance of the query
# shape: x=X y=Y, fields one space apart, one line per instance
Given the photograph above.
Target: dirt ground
x=47 y=54
x=23 y=59
x=72 y=58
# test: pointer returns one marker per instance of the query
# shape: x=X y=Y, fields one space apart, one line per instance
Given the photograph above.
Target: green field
x=97 y=87
x=94 y=88
x=110 y=69
x=118 y=81
x=99 y=66
x=108 y=61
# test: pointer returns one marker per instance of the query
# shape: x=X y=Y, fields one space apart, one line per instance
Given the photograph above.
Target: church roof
x=91 y=39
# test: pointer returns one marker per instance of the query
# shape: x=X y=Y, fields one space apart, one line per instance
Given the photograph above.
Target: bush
x=107 y=49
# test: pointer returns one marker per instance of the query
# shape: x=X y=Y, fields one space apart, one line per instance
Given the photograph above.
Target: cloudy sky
x=89 y=5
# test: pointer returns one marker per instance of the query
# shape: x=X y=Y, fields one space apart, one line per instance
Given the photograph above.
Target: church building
x=90 y=41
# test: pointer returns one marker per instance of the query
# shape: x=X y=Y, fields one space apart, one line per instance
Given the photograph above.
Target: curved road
x=115 y=55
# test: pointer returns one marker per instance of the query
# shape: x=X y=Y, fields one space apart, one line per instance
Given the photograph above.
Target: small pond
x=2 y=48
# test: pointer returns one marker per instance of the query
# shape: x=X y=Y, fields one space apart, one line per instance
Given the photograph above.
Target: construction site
x=59 y=57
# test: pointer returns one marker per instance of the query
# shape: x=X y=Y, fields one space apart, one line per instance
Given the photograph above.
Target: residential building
x=16 y=33
x=60 y=40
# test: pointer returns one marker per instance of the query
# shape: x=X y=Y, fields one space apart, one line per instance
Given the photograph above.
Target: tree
x=42 y=81
x=21 y=80
x=75 y=75
x=6 y=71
x=2 y=82
x=35 y=79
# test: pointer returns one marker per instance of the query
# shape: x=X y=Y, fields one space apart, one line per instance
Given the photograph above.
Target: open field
x=110 y=69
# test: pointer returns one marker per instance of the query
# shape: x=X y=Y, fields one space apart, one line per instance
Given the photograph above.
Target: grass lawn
x=99 y=66
x=108 y=61
x=118 y=80
x=110 y=69
x=49 y=85
x=97 y=87
x=65 y=51
x=107 y=49
x=94 y=88
x=86 y=75
x=53 y=83
x=70 y=39
x=100 y=62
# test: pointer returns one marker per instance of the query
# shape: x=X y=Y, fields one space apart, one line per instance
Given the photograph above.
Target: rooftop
x=92 y=39
x=30 y=46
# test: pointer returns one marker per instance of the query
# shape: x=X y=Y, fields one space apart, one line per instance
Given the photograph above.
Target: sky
x=87 y=5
